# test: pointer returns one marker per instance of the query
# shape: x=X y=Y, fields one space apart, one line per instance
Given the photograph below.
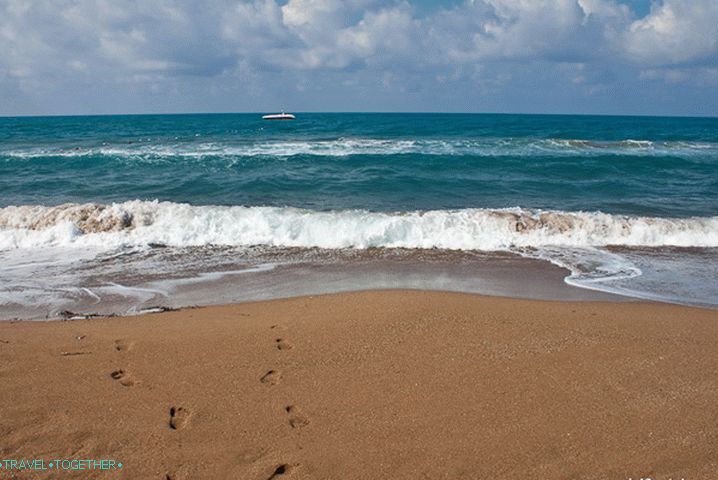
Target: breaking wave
x=142 y=223
x=341 y=147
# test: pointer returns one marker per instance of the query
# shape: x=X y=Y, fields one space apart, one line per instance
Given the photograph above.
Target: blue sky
x=539 y=56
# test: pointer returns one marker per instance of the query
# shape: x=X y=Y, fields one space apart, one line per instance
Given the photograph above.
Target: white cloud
x=519 y=27
x=159 y=35
x=675 y=31
x=554 y=30
x=381 y=36
x=44 y=43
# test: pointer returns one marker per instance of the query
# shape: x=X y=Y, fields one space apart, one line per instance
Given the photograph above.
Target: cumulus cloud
x=133 y=36
x=557 y=30
x=676 y=31
x=489 y=42
x=318 y=34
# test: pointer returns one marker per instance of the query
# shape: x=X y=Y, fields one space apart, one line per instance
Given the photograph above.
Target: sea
x=127 y=214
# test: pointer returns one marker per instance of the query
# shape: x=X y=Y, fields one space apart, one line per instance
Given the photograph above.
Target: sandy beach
x=388 y=384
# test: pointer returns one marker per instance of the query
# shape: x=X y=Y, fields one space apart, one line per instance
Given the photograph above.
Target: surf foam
x=342 y=147
x=142 y=223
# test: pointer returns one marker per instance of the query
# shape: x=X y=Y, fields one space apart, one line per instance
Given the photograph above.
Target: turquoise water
x=627 y=204
x=381 y=162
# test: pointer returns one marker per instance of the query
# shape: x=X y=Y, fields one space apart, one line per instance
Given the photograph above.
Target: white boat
x=278 y=116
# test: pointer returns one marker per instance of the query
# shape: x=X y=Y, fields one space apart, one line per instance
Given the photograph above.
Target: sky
x=639 y=57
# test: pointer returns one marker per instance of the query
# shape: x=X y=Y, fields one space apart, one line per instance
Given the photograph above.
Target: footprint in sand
x=297 y=418
x=282 y=344
x=272 y=377
x=123 y=377
x=178 y=417
x=123 y=345
x=73 y=354
x=281 y=470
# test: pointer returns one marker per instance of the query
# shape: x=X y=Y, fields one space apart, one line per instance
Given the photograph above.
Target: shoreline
x=600 y=297
x=375 y=384
x=493 y=274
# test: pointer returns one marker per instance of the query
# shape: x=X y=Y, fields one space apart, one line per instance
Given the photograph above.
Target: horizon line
x=641 y=115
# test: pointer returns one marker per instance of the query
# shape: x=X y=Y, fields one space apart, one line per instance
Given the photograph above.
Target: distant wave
x=371 y=146
x=140 y=223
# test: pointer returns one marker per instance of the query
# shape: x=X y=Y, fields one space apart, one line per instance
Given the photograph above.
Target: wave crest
x=141 y=223
x=343 y=147
x=86 y=218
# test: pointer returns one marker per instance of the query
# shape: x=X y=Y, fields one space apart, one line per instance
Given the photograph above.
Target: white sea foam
x=141 y=223
x=67 y=257
x=342 y=147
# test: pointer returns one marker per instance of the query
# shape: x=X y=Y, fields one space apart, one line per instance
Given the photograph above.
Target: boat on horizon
x=278 y=116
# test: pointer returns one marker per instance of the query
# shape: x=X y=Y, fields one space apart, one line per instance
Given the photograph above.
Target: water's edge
x=502 y=275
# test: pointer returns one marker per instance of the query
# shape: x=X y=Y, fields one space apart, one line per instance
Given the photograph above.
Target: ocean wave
x=622 y=144
x=343 y=147
x=142 y=223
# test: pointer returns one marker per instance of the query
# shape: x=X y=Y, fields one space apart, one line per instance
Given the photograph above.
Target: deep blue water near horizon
x=128 y=211
x=381 y=162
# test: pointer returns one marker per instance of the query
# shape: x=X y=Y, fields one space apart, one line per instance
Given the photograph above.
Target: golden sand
x=372 y=385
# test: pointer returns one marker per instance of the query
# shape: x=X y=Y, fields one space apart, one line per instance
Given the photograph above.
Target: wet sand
x=205 y=277
x=388 y=384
